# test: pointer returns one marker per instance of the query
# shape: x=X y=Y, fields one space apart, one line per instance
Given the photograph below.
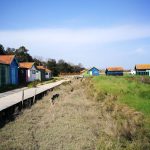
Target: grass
x=130 y=101
x=71 y=123
x=103 y=113
x=129 y=90
x=33 y=84
x=86 y=74
x=54 y=79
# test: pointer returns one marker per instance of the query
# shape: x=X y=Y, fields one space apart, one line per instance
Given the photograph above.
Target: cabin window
x=33 y=71
x=46 y=73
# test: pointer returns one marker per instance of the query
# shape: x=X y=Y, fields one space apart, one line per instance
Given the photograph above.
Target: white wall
x=48 y=76
x=38 y=75
x=32 y=74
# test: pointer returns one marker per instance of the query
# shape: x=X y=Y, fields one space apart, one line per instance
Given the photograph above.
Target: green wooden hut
x=4 y=74
x=9 y=70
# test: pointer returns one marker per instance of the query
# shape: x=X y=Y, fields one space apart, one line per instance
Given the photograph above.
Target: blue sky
x=97 y=33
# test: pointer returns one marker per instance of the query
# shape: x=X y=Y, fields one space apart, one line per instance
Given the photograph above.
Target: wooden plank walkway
x=17 y=97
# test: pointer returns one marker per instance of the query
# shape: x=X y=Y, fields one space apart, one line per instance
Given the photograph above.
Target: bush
x=33 y=84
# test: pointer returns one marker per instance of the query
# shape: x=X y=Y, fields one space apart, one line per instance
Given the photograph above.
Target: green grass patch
x=86 y=74
x=130 y=91
x=134 y=92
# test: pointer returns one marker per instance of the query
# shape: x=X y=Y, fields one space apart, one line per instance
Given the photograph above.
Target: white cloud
x=76 y=45
x=140 y=51
x=66 y=37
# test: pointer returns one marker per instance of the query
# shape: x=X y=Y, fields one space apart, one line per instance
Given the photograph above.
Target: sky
x=98 y=33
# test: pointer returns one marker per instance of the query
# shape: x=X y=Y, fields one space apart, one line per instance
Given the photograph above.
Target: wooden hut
x=40 y=73
x=10 y=64
x=114 y=71
x=27 y=72
x=94 y=71
x=142 y=69
x=48 y=73
x=4 y=74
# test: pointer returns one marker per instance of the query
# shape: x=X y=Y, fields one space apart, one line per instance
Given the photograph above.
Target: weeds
x=33 y=84
x=95 y=113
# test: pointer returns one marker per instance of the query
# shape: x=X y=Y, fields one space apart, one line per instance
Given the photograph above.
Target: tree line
x=57 y=67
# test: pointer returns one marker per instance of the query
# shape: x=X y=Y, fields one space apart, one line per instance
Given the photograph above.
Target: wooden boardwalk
x=12 y=99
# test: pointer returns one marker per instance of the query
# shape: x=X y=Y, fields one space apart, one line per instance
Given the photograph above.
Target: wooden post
x=22 y=97
x=34 y=96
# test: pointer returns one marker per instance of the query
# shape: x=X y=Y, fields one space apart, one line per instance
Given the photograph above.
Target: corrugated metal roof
x=115 y=68
x=6 y=59
x=142 y=66
x=26 y=65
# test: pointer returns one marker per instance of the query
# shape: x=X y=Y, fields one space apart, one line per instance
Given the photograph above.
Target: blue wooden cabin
x=11 y=61
x=94 y=72
x=114 y=71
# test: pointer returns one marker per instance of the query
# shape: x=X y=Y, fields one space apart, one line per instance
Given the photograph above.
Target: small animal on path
x=54 y=97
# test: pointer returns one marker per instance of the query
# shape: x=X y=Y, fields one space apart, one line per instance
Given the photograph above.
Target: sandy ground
x=72 y=123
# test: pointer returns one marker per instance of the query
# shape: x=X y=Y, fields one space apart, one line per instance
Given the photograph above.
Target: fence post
x=34 y=96
x=22 y=97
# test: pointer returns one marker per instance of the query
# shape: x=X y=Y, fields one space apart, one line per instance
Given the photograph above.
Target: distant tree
x=10 y=51
x=2 y=50
x=52 y=65
x=39 y=61
x=61 y=66
x=22 y=55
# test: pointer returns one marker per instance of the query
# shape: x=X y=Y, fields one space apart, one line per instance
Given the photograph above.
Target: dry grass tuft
x=71 y=123
x=123 y=125
x=80 y=119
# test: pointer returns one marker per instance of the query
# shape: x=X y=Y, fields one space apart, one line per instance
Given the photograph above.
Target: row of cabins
x=12 y=72
x=109 y=71
x=140 y=69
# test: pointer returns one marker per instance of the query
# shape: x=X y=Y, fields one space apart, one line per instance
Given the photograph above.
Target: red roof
x=43 y=68
x=6 y=59
x=142 y=66
x=40 y=67
x=114 y=69
x=26 y=65
x=47 y=70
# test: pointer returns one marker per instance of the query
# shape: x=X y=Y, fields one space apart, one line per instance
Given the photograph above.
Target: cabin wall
x=142 y=72
x=42 y=75
x=32 y=74
x=94 y=72
x=14 y=72
x=114 y=73
x=48 y=75
x=4 y=75
x=38 y=75
x=22 y=75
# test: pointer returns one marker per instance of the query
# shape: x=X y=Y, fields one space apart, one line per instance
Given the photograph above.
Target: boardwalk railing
x=14 y=103
x=20 y=96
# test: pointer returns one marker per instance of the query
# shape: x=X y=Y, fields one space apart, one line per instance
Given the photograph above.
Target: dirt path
x=71 y=123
